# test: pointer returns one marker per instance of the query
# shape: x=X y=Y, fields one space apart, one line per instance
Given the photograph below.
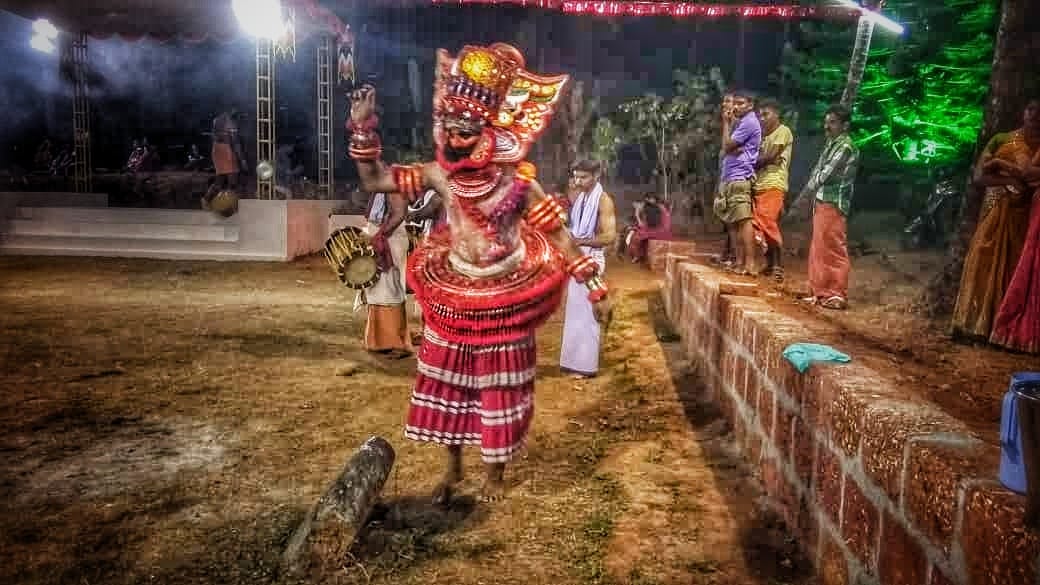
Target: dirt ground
x=171 y=422
x=885 y=328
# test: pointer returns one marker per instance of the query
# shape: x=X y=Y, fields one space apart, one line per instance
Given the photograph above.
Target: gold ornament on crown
x=492 y=84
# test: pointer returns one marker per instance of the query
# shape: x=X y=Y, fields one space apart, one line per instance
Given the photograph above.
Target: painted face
x=833 y=125
x=584 y=180
x=459 y=138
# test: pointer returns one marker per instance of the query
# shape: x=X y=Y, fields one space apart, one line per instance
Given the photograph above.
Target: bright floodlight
x=45 y=29
x=260 y=18
x=877 y=17
x=42 y=44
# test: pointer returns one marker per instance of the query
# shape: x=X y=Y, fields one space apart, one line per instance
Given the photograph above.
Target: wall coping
x=857 y=468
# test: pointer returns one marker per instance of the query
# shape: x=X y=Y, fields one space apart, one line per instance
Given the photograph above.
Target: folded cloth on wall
x=802 y=355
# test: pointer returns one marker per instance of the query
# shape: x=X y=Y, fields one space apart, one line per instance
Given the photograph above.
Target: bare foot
x=446 y=488
x=494 y=484
x=443 y=492
x=493 y=490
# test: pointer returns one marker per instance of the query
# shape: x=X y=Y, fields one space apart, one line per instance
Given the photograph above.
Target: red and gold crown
x=489 y=87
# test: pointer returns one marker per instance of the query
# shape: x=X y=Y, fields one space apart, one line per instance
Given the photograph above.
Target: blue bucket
x=1012 y=465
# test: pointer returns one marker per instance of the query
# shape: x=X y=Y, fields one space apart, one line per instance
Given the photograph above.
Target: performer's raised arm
x=366 y=148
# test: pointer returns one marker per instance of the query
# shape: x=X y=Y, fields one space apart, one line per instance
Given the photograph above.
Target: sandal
x=778 y=274
x=808 y=300
x=836 y=303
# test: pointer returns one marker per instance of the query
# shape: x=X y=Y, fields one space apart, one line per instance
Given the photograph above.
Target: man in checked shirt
x=830 y=190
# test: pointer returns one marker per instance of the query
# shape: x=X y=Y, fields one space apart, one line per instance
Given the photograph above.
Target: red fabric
x=1017 y=324
x=384 y=259
x=828 y=254
x=637 y=249
x=486 y=310
x=468 y=394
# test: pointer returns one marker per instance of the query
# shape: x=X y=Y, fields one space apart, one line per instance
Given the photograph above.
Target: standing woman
x=1017 y=324
x=1004 y=219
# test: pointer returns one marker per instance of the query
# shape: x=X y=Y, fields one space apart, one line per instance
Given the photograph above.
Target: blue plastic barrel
x=1012 y=467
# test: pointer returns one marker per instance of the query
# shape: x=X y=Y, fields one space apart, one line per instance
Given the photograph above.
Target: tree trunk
x=1010 y=84
x=575 y=114
x=858 y=62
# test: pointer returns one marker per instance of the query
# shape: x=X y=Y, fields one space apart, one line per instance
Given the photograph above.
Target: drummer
x=426 y=214
x=386 y=328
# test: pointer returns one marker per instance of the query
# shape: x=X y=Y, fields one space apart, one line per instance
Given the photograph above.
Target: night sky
x=169 y=92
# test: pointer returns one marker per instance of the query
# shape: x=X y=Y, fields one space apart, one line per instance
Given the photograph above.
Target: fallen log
x=738 y=289
x=329 y=529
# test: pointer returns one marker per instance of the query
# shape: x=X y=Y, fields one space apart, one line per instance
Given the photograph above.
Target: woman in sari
x=1004 y=219
x=653 y=222
x=1017 y=324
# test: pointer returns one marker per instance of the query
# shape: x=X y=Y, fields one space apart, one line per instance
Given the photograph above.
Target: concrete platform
x=275 y=231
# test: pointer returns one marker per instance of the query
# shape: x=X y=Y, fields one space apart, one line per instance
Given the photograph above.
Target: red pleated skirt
x=467 y=394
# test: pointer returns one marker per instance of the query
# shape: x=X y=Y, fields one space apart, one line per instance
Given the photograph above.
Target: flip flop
x=835 y=303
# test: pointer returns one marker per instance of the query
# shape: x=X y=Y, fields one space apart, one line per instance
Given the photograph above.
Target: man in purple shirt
x=741 y=138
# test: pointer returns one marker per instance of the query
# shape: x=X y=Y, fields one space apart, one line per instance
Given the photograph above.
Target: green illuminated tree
x=922 y=96
x=920 y=102
x=1014 y=80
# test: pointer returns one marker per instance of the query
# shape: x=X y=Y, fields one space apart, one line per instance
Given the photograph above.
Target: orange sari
x=995 y=248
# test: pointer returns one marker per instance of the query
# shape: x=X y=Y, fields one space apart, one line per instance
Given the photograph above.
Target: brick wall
x=880 y=488
x=658 y=250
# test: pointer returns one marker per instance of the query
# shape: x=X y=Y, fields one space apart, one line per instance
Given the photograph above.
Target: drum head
x=225 y=203
x=359 y=272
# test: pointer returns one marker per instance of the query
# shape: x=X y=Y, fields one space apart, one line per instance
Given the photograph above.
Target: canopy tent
x=197 y=21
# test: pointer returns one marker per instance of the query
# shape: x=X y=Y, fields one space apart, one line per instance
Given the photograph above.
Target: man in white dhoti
x=386 y=328
x=593 y=227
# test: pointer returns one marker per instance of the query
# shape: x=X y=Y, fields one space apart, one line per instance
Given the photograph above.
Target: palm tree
x=1013 y=79
x=858 y=62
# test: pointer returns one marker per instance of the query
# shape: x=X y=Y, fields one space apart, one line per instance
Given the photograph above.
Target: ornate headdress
x=488 y=89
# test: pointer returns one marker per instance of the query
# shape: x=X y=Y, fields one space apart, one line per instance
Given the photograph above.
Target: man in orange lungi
x=774 y=160
x=829 y=190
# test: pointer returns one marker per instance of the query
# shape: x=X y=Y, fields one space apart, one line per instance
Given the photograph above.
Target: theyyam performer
x=496 y=271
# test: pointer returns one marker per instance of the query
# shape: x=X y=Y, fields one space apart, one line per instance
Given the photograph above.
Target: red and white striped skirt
x=474 y=395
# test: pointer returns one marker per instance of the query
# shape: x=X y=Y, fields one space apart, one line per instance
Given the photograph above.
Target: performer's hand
x=603 y=311
x=362 y=103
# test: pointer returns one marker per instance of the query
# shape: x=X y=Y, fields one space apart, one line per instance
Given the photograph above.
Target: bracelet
x=583 y=268
x=408 y=179
x=597 y=289
x=364 y=145
x=546 y=215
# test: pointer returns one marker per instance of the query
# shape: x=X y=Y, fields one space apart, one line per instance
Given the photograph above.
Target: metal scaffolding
x=81 y=165
x=326 y=161
x=266 y=144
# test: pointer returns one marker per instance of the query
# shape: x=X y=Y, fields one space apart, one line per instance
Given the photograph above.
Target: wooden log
x=329 y=529
x=738 y=289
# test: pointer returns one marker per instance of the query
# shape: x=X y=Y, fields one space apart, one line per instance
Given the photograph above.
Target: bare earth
x=171 y=422
x=885 y=328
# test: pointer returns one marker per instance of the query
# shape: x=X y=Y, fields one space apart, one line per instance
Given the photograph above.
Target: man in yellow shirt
x=774 y=161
